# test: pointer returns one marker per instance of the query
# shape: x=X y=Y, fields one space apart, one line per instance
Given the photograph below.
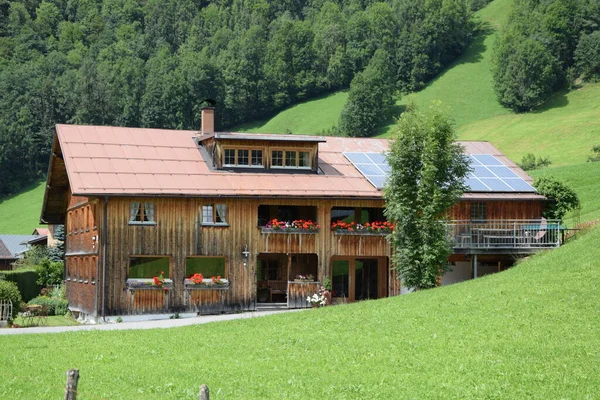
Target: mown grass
x=529 y=332
x=585 y=180
x=308 y=118
x=565 y=130
x=21 y=214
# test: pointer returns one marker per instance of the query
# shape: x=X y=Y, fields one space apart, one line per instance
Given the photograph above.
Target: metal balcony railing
x=505 y=234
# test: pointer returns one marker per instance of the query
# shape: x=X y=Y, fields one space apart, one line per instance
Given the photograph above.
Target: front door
x=355 y=279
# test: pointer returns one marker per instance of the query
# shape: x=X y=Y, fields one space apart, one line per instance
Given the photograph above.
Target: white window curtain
x=149 y=212
x=221 y=213
x=134 y=209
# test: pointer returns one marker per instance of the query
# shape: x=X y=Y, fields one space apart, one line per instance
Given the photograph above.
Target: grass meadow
x=21 y=214
x=528 y=332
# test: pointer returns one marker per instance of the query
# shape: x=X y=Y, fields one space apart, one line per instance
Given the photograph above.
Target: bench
x=276 y=287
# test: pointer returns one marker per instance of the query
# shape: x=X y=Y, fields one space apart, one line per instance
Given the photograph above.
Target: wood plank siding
x=82 y=254
x=178 y=233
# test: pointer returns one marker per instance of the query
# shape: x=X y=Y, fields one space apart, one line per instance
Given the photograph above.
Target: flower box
x=360 y=232
x=144 y=284
x=206 y=284
x=290 y=230
x=296 y=226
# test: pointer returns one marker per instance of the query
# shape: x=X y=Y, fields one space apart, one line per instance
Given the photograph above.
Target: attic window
x=141 y=213
x=290 y=159
x=243 y=157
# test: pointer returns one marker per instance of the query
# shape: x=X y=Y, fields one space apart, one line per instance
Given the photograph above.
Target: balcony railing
x=505 y=234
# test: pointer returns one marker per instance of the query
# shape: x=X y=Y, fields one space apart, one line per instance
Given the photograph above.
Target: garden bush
x=55 y=306
x=10 y=291
x=25 y=280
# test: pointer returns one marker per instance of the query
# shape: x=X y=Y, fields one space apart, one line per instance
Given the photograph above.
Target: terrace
x=505 y=236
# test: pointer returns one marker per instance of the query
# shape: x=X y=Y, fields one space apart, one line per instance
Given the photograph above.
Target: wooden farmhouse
x=263 y=218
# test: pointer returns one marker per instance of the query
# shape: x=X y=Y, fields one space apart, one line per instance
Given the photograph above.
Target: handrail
x=505 y=233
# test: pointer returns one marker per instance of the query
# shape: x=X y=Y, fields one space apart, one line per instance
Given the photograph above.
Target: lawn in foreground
x=529 y=332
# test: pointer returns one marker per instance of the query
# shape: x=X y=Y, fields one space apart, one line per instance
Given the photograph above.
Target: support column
x=475 y=266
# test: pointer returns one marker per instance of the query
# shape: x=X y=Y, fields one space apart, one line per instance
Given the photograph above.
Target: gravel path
x=162 y=323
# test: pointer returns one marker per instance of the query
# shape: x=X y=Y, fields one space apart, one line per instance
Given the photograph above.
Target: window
x=148 y=267
x=290 y=159
x=268 y=212
x=357 y=214
x=478 y=211
x=141 y=213
x=243 y=158
x=207 y=266
x=214 y=214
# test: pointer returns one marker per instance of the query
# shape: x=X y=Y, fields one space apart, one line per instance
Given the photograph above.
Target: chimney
x=208 y=120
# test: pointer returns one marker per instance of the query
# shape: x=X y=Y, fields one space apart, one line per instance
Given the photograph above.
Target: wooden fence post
x=204 y=393
x=71 y=388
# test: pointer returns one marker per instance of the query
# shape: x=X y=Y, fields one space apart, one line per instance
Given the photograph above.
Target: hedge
x=25 y=280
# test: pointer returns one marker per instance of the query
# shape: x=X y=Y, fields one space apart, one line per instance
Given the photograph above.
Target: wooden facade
x=178 y=233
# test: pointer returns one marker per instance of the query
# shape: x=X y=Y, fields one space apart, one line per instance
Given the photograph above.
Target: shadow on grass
x=557 y=100
x=389 y=120
x=27 y=188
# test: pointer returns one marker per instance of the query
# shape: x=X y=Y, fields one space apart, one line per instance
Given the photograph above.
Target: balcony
x=506 y=236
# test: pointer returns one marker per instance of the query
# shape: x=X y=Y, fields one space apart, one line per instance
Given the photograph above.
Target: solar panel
x=475 y=185
x=358 y=158
x=496 y=185
x=487 y=159
x=488 y=174
x=503 y=172
x=519 y=185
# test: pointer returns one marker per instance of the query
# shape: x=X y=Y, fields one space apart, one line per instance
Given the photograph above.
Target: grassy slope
x=311 y=117
x=584 y=178
x=529 y=332
x=21 y=214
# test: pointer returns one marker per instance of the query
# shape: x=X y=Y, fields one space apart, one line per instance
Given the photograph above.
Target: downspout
x=104 y=247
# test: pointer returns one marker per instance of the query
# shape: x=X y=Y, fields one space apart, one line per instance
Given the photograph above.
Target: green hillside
x=311 y=117
x=21 y=214
x=529 y=332
x=584 y=178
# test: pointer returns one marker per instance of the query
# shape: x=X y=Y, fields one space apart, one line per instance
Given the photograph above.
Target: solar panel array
x=488 y=173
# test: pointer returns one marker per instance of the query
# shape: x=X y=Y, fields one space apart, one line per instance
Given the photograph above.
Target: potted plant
x=317 y=300
x=295 y=226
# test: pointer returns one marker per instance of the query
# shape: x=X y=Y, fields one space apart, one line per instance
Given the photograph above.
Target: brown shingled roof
x=105 y=160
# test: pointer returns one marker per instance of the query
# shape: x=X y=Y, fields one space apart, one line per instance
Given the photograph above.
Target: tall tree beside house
x=427 y=178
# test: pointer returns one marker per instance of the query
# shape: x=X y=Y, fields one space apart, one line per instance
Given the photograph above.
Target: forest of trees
x=548 y=44
x=151 y=63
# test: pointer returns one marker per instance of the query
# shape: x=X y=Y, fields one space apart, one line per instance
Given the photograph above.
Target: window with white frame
x=291 y=159
x=242 y=157
x=141 y=213
x=214 y=214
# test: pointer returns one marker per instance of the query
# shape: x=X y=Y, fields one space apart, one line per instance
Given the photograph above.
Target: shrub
x=595 y=157
x=55 y=306
x=529 y=162
x=50 y=272
x=25 y=280
x=10 y=291
x=563 y=197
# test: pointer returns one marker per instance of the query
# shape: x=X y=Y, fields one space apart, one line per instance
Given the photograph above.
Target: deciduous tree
x=427 y=177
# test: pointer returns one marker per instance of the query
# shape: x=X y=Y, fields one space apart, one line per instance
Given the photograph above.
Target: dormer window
x=290 y=159
x=244 y=158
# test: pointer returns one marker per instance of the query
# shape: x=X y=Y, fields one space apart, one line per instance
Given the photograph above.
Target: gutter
x=104 y=247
